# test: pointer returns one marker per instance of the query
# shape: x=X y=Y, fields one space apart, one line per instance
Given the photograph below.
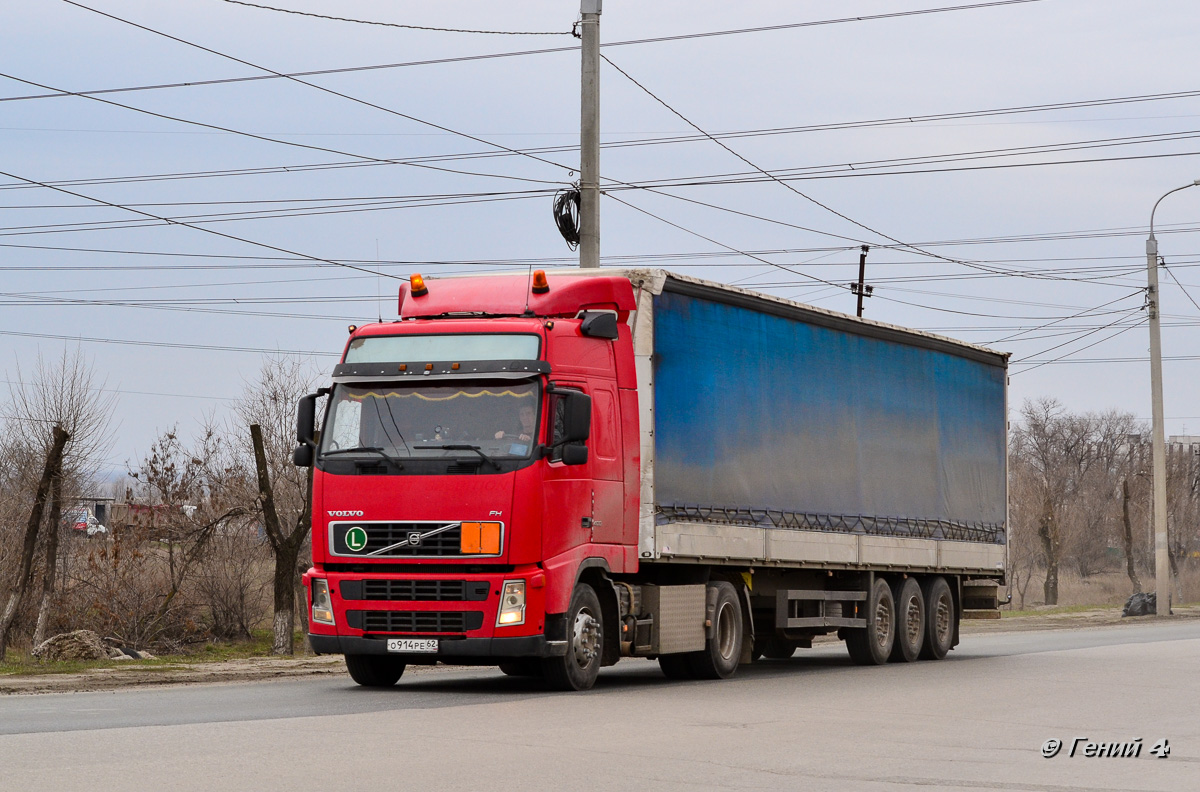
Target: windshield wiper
x=366 y=450
x=461 y=447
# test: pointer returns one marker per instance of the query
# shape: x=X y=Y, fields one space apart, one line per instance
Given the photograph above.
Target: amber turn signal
x=540 y=284
x=419 y=289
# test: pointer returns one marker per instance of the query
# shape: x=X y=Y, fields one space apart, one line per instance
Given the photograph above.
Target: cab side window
x=558 y=405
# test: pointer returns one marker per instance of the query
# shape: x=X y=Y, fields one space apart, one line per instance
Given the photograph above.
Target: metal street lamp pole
x=1162 y=561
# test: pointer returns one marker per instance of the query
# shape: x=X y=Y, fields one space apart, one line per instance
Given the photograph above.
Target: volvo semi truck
x=548 y=473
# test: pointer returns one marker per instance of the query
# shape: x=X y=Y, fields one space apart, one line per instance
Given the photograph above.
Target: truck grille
x=416 y=621
x=419 y=590
x=396 y=540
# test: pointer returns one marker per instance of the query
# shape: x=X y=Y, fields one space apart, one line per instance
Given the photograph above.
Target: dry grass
x=1109 y=589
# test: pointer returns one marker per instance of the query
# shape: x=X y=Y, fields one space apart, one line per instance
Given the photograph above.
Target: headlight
x=322 y=607
x=512 y=604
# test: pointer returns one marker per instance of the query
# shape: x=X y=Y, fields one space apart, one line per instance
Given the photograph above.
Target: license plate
x=426 y=645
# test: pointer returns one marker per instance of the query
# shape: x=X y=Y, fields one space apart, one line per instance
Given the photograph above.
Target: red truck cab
x=479 y=457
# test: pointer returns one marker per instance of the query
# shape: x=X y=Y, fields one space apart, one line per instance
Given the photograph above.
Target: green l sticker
x=356 y=538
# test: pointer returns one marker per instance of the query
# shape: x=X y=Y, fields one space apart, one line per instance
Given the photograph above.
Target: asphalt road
x=976 y=720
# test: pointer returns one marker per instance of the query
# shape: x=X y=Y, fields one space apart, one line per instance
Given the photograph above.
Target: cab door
x=605 y=460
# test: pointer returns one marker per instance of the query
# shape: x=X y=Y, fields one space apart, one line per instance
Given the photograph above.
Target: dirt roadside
x=132 y=674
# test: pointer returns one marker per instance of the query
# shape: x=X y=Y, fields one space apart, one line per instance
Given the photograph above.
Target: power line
x=1065 y=358
x=168 y=345
x=1089 y=311
x=466 y=58
x=315 y=259
x=642 y=142
x=267 y=139
x=803 y=195
x=258 y=214
x=122 y=392
x=1180 y=285
x=317 y=87
x=681 y=37
x=722 y=244
x=397 y=25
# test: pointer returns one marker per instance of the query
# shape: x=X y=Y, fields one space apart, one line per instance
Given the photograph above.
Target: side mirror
x=303 y=456
x=576 y=418
x=306 y=416
x=574 y=454
x=599 y=324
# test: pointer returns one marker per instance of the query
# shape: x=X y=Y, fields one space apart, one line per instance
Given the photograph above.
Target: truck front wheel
x=579 y=667
x=377 y=671
x=873 y=644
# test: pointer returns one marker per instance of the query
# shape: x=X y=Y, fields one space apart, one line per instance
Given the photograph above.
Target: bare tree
x=59 y=395
x=284 y=491
x=20 y=582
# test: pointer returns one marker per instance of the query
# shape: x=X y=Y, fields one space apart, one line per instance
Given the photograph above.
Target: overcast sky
x=1022 y=230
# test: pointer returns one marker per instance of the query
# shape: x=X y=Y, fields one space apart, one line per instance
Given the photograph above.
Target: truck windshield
x=430 y=421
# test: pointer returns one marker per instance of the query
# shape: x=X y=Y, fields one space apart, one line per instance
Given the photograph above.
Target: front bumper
x=461 y=651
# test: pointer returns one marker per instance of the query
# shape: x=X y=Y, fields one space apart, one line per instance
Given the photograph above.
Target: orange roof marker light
x=419 y=289
x=540 y=284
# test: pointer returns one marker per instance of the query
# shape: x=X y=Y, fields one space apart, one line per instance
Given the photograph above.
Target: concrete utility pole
x=589 y=135
x=1162 y=560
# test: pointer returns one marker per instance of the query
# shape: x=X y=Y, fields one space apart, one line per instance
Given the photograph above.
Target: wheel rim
x=883 y=622
x=585 y=641
x=913 y=620
x=726 y=634
x=942 y=619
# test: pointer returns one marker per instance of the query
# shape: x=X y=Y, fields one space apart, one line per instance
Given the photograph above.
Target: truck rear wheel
x=378 y=671
x=721 y=653
x=579 y=667
x=910 y=621
x=873 y=644
x=939 y=619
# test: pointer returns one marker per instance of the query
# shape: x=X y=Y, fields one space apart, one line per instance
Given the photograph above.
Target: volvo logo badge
x=414 y=538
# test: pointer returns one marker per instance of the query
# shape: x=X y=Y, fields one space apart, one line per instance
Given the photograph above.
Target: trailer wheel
x=676 y=666
x=872 y=645
x=377 y=671
x=721 y=653
x=939 y=619
x=579 y=667
x=910 y=621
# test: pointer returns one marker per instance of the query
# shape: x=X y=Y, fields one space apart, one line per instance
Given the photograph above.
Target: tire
x=910 y=621
x=579 y=667
x=676 y=666
x=374 y=671
x=873 y=644
x=940 y=619
x=776 y=648
x=521 y=668
x=723 y=651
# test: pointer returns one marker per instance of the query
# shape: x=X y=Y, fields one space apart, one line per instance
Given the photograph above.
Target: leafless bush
x=234 y=582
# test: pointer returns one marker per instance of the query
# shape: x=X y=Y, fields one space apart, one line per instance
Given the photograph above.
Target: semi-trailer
x=550 y=472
